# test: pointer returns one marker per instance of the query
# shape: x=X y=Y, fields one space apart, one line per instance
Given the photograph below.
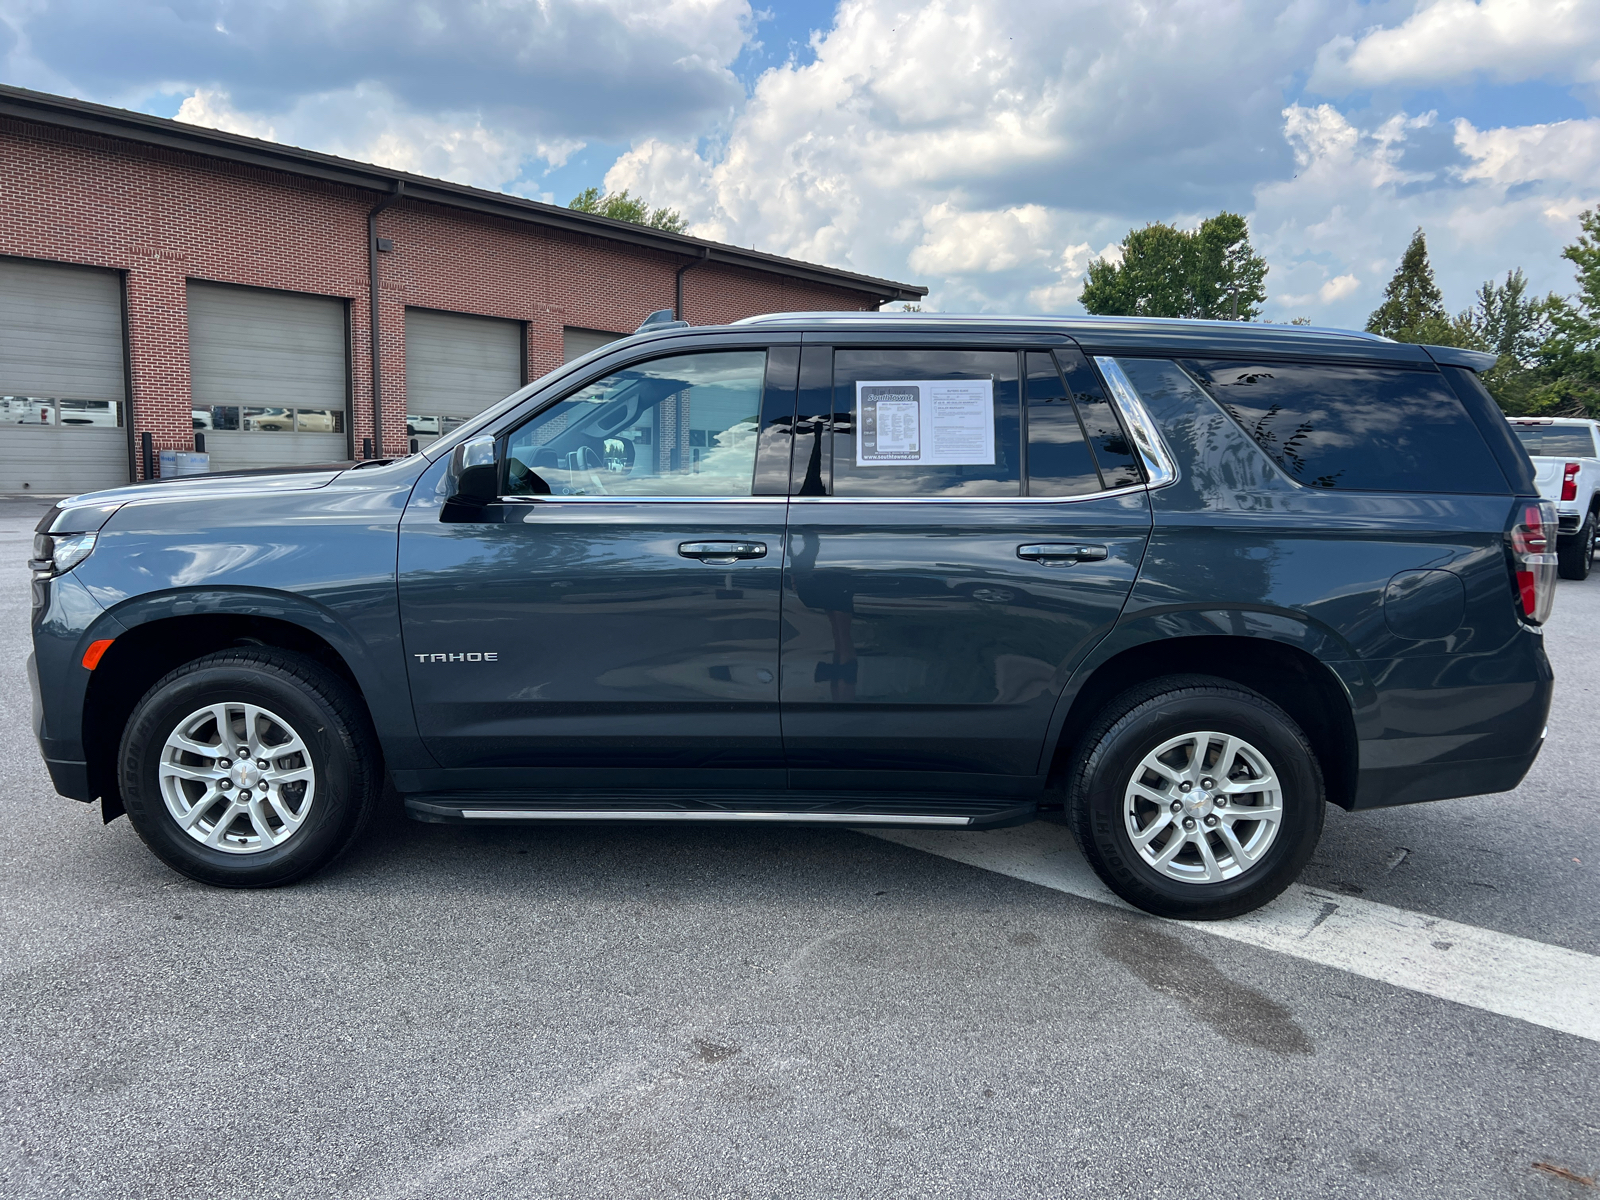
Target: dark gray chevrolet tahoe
x=1176 y=583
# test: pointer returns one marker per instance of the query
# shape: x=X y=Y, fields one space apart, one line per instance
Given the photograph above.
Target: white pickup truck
x=1566 y=460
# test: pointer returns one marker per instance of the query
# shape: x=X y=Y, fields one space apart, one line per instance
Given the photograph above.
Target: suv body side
x=1338 y=605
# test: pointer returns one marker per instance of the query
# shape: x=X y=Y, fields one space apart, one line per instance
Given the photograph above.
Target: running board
x=809 y=810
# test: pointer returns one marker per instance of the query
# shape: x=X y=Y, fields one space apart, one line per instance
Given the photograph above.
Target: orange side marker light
x=92 y=656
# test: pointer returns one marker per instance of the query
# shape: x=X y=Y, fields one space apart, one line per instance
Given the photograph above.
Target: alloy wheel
x=237 y=777
x=1203 y=807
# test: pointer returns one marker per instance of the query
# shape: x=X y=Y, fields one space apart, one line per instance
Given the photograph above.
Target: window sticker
x=930 y=422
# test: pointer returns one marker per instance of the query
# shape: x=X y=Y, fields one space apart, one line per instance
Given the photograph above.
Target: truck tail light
x=1532 y=538
x=1569 y=482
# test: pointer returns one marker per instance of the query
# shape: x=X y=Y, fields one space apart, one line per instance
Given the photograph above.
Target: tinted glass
x=1059 y=462
x=1556 y=441
x=1366 y=428
x=1111 y=446
x=679 y=426
x=930 y=422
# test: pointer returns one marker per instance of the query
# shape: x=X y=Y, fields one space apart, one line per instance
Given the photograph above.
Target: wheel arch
x=163 y=633
x=1289 y=675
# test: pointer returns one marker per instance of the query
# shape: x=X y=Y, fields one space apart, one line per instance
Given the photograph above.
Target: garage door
x=457 y=366
x=269 y=374
x=62 y=387
x=575 y=343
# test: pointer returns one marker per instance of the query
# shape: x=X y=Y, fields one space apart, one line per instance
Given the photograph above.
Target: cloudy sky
x=989 y=149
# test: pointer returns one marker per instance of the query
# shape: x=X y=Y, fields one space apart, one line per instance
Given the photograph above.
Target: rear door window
x=1112 y=450
x=1059 y=461
x=1555 y=441
x=934 y=422
x=1361 y=428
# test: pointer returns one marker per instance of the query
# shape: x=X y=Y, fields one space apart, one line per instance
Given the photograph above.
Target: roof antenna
x=662 y=318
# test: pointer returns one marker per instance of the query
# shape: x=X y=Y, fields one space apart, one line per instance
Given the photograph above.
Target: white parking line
x=1515 y=977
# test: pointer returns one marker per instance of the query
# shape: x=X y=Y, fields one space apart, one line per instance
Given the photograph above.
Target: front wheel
x=1194 y=797
x=1575 y=555
x=249 y=768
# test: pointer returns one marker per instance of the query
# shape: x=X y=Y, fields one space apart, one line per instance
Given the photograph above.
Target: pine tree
x=1412 y=308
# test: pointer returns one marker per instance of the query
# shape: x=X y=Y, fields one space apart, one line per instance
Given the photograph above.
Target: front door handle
x=722 y=553
x=1055 y=554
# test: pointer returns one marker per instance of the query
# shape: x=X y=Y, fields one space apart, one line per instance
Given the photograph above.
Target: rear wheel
x=249 y=768
x=1575 y=555
x=1194 y=797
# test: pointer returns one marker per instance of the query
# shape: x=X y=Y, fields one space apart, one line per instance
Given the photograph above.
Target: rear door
x=962 y=533
x=613 y=622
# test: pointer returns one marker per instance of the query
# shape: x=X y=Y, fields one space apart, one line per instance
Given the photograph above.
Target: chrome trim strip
x=1158 y=461
x=610 y=814
x=644 y=499
x=1122 y=491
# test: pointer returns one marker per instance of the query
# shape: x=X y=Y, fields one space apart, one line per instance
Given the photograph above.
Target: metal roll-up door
x=269 y=374
x=457 y=366
x=63 y=387
x=575 y=343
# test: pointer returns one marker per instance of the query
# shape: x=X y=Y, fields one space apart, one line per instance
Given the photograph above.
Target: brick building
x=165 y=279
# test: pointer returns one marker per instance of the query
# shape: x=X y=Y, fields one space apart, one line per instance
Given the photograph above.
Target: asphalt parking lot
x=480 y=1012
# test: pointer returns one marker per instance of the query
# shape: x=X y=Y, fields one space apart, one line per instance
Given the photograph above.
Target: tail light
x=1569 y=482
x=1533 y=558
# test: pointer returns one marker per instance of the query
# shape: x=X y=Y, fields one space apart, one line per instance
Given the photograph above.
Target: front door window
x=680 y=426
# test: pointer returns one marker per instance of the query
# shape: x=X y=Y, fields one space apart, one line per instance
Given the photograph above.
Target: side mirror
x=473 y=480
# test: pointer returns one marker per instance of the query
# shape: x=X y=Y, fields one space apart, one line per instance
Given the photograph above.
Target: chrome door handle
x=721 y=553
x=1053 y=554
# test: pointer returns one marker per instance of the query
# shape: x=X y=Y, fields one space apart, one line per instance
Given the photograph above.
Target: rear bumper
x=1453 y=732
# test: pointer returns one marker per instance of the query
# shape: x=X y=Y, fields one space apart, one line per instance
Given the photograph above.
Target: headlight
x=56 y=554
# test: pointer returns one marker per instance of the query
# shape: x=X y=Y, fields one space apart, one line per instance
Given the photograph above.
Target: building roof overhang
x=64 y=112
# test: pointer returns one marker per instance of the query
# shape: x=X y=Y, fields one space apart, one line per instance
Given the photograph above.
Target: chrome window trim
x=1159 y=464
x=1121 y=491
x=645 y=499
x=1100 y=495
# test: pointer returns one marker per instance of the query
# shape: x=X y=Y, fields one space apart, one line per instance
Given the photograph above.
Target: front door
x=968 y=535
x=613 y=622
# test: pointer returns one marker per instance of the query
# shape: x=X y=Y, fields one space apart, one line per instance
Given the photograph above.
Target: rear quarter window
x=1378 y=429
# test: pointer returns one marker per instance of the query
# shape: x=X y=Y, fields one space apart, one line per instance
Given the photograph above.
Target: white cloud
x=977 y=144
x=367 y=124
x=1335 y=231
x=1448 y=41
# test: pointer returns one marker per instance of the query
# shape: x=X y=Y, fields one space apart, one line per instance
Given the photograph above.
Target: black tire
x=316 y=704
x=1575 y=555
x=1134 y=725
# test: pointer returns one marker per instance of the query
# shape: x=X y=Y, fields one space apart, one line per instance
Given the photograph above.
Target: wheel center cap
x=245 y=774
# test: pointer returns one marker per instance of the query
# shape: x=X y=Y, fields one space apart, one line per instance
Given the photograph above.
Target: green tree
x=1211 y=272
x=620 y=206
x=1412 y=308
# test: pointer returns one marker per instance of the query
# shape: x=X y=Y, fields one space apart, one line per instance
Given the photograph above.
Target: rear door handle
x=1053 y=554
x=721 y=553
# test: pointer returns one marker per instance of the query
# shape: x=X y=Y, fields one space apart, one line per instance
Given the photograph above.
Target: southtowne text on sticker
x=930 y=422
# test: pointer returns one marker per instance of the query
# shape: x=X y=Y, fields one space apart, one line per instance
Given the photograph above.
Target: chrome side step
x=664 y=814
x=681 y=807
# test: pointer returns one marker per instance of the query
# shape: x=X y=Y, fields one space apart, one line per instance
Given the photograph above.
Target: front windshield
x=679 y=426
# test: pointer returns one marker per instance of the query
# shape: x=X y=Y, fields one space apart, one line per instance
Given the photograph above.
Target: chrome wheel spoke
x=1242 y=858
x=1163 y=820
x=200 y=808
x=1171 y=850
x=196 y=774
x=213 y=818
x=1200 y=796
